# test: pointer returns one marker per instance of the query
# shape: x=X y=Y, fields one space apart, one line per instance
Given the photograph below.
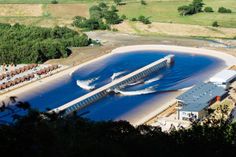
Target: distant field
x=41 y=12
x=68 y=10
x=44 y=1
x=166 y=11
x=20 y=10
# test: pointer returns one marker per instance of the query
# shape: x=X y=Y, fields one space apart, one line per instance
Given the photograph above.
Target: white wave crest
x=86 y=84
x=115 y=75
x=135 y=83
x=137 y=92
x=153 y=79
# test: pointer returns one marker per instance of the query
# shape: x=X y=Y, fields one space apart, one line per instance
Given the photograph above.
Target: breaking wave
x=115 y=75
x=137 y=92
x=135 y=83
x=153 y=79
x=86 y=84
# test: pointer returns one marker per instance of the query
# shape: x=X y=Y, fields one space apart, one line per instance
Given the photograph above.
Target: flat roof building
x=194 y=101
x=224 y=78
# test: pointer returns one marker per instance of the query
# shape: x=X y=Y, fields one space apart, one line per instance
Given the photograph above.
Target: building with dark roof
x=194 y=102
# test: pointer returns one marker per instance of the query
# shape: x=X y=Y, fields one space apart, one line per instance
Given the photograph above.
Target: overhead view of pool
x=187 y=70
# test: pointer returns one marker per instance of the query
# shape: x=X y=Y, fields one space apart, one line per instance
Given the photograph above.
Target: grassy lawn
x=166 y=11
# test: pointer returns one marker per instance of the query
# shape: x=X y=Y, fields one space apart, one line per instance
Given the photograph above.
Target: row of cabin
x=27 y=77
x=18 y=71
x=16 y=81
x=47 y=70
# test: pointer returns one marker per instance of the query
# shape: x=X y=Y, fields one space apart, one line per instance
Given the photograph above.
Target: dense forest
x=28 y=44
x=41 y=134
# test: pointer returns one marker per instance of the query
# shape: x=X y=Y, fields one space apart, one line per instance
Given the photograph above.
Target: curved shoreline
x=227 y=58
x=44 y=83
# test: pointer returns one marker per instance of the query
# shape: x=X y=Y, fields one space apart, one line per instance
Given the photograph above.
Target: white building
x=224 y=78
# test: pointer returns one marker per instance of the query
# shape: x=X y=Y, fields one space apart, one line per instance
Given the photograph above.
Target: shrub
x=144 y=19
x=123 y=17
x=143 y=2
x=54 y=2
x=102 y=5
x=114 y=9
x=117 y=2
x=134 y=19
x=193 y=8
x=208 y=9
x=215 y=24
x=224 y=10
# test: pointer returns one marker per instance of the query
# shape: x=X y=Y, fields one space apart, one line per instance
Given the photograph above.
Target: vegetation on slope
x=101 y=17
x=41 y=134
x=27 y=44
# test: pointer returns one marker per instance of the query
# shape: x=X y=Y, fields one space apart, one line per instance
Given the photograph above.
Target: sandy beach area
x=136 y=120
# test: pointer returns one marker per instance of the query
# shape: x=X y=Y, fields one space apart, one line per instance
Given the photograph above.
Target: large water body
x=187 y=70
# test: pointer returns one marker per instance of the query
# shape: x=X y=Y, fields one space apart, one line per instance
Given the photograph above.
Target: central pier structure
x=119 y=83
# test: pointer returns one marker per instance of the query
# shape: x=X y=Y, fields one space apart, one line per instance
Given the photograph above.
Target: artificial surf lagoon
x=137 y=98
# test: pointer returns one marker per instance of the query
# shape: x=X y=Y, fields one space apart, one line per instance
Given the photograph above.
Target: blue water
x=183 y=73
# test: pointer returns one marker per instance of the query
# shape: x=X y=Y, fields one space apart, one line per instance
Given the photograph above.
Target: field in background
x=166 y=11
x=173 y=29
x=46 y=15
x=160 y=12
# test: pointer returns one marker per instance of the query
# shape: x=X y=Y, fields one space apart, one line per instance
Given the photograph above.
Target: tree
x=36 y=133
x=215 y=24
x=208 y=9
x=143 y=2
x=95 y=12
x=144 y=20
x=117 y=2
x=193 y=8
x=112 y=17
x=101 y=17
x=54 y=2
x=224 y=10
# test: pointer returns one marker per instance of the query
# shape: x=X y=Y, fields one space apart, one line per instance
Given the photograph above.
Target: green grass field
x=43 y=1
x=161 y=10
x=166 y=11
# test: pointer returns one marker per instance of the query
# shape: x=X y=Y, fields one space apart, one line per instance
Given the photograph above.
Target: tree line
x=101 y=17
x=42 y=134
x=197 y=6
x=30 y=44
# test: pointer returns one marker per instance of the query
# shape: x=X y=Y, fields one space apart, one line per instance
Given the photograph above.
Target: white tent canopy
x=223 y=77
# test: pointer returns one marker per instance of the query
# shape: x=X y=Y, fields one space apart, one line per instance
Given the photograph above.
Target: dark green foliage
x=28 y=44
x=118 y=2
x=143 y=2
x=112 y=17
x=144 y=19
x=224 y=10
x=215 y=24
x=54 y=2
x=43 y=134
x=123 y=17
x=101 y=17
x=114 y=9
x=134 y=19
x=102 y=5
x=208 y=9
x=193 y=8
